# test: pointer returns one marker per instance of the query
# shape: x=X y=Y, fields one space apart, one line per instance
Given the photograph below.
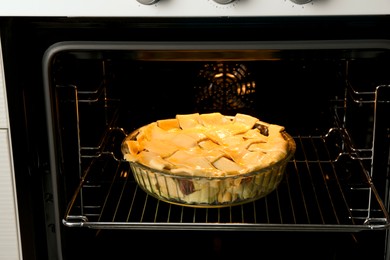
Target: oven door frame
x=45 y=31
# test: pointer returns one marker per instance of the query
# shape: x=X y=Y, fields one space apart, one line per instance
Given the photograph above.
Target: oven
x=78 y=78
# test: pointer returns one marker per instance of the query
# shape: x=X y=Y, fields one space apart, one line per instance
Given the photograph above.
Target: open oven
x=77 y=83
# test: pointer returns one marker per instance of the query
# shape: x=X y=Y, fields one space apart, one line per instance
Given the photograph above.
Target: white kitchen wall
x=10 y=246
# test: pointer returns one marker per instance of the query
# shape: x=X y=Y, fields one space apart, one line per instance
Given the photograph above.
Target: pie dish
x=208 y=160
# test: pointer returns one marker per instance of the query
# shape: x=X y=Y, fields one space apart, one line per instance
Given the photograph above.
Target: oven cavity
x=101 y=92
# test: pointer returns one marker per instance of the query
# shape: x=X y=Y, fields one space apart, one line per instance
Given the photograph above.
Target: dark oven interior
x=331 y=97
x=331 y=93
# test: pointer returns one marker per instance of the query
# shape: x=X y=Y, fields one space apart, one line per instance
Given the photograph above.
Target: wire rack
x=325 y=188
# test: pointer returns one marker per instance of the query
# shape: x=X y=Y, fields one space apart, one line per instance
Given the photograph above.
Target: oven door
x=150 y=69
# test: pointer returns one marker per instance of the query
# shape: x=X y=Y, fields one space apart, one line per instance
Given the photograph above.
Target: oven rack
x=325 y=188
x=378 y=95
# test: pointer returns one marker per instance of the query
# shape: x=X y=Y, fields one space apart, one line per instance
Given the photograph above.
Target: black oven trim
x=39 y=32
x=201 y=45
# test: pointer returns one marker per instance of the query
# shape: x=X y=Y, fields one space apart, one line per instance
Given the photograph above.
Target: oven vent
x=225 y=87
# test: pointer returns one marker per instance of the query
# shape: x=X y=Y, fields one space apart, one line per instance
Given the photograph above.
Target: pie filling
x=209 y=145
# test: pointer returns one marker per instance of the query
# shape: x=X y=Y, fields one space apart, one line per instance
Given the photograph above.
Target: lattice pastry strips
x=208 y=144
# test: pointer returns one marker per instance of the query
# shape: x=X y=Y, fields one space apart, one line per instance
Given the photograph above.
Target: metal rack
x=324 y=189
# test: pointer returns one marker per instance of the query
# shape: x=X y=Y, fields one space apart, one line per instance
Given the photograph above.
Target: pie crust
x=208 y=159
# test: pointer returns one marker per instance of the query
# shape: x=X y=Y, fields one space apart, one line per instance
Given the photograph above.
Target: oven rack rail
x=325 y=188
x=368 y=97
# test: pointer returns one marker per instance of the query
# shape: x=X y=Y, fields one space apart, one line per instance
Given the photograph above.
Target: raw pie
x=206 y=159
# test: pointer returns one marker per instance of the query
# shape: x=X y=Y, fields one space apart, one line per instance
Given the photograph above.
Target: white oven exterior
x=10 y=245
x=188 y=8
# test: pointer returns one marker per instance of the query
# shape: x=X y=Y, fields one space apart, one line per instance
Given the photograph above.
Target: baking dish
x=209 y=191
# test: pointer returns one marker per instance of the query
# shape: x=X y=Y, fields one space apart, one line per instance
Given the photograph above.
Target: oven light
x=124 y=174
x=230 y=75
x=242 y=90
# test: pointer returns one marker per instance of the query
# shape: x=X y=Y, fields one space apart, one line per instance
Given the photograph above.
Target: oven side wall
x=26 y=122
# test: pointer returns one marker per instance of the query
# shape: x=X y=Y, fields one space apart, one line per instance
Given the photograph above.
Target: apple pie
x=208 y=159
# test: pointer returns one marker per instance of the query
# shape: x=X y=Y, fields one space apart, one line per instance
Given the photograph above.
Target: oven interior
x=334 y=101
